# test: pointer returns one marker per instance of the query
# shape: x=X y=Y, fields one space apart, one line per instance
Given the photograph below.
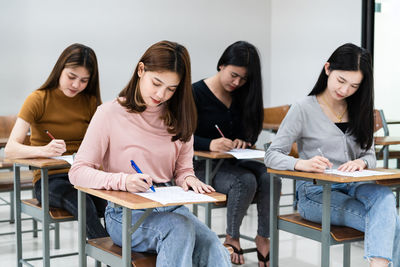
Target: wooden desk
x=42 y=164
x=3 y=142
x=385 y=141
x=393 y=122
x=326 y=180
x=208 y=157
x=128 y=202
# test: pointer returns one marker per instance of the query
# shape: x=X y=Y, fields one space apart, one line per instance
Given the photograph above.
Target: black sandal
x=237 y=251
x=262 y=258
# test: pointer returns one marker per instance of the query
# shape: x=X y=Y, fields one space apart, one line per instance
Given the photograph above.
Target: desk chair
x=7 y=177
x=325 y=233
x=385 y=153
x=103 y=249
x=273 y=117
x=209 y=157
x=43 y=213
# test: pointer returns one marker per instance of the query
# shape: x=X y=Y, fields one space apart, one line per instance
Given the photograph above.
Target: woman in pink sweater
x=151 y=122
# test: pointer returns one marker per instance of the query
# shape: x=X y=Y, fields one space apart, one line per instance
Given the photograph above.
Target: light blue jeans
x=175 y=234
x=367 y=207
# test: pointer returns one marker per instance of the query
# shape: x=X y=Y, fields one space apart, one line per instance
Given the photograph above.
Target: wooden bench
x=138 y=259
x=339 y=233
x=55 y=213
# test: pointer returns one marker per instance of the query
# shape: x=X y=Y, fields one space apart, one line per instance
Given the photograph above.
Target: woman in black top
x=232 y=100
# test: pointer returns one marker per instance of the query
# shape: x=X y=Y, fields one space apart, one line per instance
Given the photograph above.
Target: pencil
x=49 y=134
x=220 y=132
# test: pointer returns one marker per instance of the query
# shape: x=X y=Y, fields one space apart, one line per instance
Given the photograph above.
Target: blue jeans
x=175 y=234
x=62 y=194
x=367 y=207
x=244 y=182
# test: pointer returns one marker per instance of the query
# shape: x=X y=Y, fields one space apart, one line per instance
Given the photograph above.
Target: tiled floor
x=294 y=250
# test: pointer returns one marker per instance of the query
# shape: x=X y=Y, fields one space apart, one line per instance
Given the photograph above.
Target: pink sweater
x=115 y=136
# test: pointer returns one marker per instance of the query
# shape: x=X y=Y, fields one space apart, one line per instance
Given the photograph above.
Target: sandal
x=262 y=258
x=235 y=250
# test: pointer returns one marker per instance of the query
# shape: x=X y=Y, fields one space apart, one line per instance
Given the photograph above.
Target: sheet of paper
x=69 y=158
x=175 y=194
x=247 y=153
x=357 y=173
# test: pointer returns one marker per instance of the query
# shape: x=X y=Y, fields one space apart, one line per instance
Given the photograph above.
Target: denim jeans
x=244 y=182
x=175 y=234
x=62 y=194
x=367 y=207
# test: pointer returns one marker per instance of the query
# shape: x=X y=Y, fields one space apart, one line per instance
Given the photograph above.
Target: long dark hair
x=76 y=55
x=360 y=105
x=249 y=96
x=180 y=116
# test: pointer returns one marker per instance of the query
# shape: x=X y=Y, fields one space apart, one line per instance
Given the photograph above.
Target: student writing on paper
x=232 y=100
x=151 y=122
x=62 y=106
x=337 y=118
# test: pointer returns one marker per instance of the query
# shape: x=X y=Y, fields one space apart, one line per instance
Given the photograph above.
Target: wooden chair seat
x=7 y=181
x=138 y=259
x=339 y=233
x=55 y=213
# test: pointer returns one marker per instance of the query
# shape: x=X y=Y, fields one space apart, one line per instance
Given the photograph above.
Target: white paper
x=357 y=173
x=69 y=158
x=247 y=153
x=175 y=194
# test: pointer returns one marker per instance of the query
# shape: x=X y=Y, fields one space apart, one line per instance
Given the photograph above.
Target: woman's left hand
x=237 y=143
x=197 y=185
x=351 y=166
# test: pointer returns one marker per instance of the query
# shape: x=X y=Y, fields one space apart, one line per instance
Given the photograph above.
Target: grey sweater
x=308 y=125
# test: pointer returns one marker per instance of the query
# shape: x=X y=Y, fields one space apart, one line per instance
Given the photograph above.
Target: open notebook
x=175 y=194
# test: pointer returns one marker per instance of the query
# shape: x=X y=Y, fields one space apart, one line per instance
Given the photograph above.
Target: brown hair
x=180 y=116
x=76 y=55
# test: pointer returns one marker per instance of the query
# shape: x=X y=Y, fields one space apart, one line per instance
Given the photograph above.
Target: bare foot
x=236 y=258
x=262 y=244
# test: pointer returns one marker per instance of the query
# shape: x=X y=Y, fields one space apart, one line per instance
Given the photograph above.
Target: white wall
x=34 y=33
x=304 y=33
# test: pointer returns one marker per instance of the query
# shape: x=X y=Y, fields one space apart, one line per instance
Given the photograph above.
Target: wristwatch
x=366 y=163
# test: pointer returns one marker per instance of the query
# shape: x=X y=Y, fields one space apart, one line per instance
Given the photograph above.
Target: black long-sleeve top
x=211 y=111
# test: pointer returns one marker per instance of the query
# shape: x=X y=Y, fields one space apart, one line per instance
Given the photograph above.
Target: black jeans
x=62 y=194
x=244 y=182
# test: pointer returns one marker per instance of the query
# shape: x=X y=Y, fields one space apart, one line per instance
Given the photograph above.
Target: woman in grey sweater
x=333 y=128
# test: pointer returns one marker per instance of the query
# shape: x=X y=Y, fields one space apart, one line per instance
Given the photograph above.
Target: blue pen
x=133 y=164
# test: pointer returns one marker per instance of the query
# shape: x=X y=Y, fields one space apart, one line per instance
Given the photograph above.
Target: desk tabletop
x=213 y=155
x=387 y=140
x=3 y=142
x=339 y=178
x=40 y=162
x=392 y=121
x=133 y=201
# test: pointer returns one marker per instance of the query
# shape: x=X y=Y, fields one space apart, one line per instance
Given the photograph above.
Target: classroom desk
x=385 y=141
x=325 y=180
x=128 y=202
x=209 y=156
x=3 y=142
x=42 y=164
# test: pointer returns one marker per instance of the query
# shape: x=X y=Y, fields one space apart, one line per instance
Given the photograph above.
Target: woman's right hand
x=221 y=144
x=138 y=182
x=315 y=164
x=54 y=149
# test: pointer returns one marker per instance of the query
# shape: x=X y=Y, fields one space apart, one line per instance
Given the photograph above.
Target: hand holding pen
x=146 y=178
x=315 y=164
x=55 y=148
x=221 y=144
